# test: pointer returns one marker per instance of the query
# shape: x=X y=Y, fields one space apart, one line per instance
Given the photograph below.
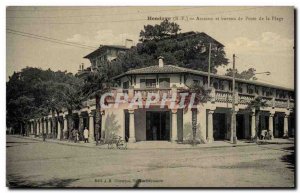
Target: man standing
x=86 y=135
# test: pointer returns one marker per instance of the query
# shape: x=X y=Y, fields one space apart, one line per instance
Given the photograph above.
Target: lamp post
x=266 y=73
x=209 y=61
x=233 y=137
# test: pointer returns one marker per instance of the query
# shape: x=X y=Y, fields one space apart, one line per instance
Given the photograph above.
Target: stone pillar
x=253 y=131
x=174 y=137
x=30 y=127
x=210 y=132
x=271 y=129
x=49 y=126
x=44 y=126
x=91 y=127
x=131 y=126
x=246 y=125
x=65 y=136
x=286 y=127
x=58 y=129
x=38 y=127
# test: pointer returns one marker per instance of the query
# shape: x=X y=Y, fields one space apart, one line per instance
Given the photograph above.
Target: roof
x=156 y=69
x=171 y=69
x=104 y=47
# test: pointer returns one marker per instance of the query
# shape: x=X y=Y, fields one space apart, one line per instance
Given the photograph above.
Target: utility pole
x=233 y=137
x=209 y=61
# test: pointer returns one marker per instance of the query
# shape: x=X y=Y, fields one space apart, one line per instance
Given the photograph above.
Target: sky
x=260 y=37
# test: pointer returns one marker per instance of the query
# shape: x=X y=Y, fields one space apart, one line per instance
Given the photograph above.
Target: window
x=250 y=89
x=257 y=90
x=239 y=87
x=126 y=85
x=221 y=85
x=269 y=92
x=148 y=83
x=196 y=82
x=281 y=94
x=216 y=85
x=164 y=83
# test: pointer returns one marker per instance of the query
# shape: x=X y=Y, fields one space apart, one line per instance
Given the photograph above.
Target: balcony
x=218 y=96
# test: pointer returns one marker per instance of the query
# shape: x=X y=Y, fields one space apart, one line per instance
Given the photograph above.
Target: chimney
x=161 y=61
x=128 y=43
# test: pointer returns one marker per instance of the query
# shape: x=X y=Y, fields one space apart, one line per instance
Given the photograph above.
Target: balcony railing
x=218 y=96
x=161 y=92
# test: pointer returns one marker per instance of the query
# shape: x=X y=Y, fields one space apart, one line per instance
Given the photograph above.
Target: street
x=33 y=163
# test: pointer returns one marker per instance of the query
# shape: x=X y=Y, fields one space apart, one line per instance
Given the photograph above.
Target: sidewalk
x=163 y=144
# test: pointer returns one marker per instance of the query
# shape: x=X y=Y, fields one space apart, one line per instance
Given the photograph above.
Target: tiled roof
x=156 y=69
x=171 y=69
x=103 y=47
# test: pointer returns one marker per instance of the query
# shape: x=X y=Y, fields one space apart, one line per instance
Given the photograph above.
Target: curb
x=128 y=148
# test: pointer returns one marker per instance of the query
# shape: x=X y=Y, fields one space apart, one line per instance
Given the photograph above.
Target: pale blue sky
x=264 y=45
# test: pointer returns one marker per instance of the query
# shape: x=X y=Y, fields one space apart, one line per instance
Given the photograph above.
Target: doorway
x=240 y=126
x=219 y=126
x=157 y=125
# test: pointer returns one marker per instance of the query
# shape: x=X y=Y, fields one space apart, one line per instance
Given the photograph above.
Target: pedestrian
x=77 y=136
x=44 y=136
x=154 y=132
x=86 y=135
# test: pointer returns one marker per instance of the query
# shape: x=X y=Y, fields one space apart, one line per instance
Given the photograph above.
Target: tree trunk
x=21 y=128
x=194 y=124
x=70 y=124
x=98 y=119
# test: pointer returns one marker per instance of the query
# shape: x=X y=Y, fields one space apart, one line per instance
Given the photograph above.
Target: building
x=213 y=116
x=104 y=53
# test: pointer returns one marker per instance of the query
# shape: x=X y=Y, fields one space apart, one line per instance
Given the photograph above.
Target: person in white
x=86 y=135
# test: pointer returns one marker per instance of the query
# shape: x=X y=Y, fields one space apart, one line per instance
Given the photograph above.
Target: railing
x=223 y=96
x=281 y=103
x=243 y=98
x=219 y=96
x=160 y=91
x=269 y=101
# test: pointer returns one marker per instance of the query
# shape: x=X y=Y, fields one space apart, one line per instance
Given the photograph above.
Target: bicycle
x=115 y=141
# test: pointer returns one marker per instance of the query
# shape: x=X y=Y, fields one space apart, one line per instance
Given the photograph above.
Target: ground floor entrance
x=157 y=125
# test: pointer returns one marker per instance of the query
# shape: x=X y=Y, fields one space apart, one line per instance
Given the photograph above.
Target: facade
x=213 y=117
x=103 y=53
x=171 y=124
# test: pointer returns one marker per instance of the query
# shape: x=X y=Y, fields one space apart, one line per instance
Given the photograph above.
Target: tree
x=201 y=95
x=157 y=32
x=257 y=104
x=246 y=74
x=190 y=50
x=33 y=93
x=97 y=83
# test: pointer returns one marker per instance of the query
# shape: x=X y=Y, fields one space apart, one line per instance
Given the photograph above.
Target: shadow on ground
x=14 y=181
x=289 y=158
x=14 y=144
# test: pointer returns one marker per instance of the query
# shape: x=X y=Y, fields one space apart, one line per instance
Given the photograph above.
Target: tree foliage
x=33 y=93
x=190 y=50
x=246 y=74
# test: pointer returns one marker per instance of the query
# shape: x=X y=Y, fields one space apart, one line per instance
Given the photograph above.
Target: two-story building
x=213 y=117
